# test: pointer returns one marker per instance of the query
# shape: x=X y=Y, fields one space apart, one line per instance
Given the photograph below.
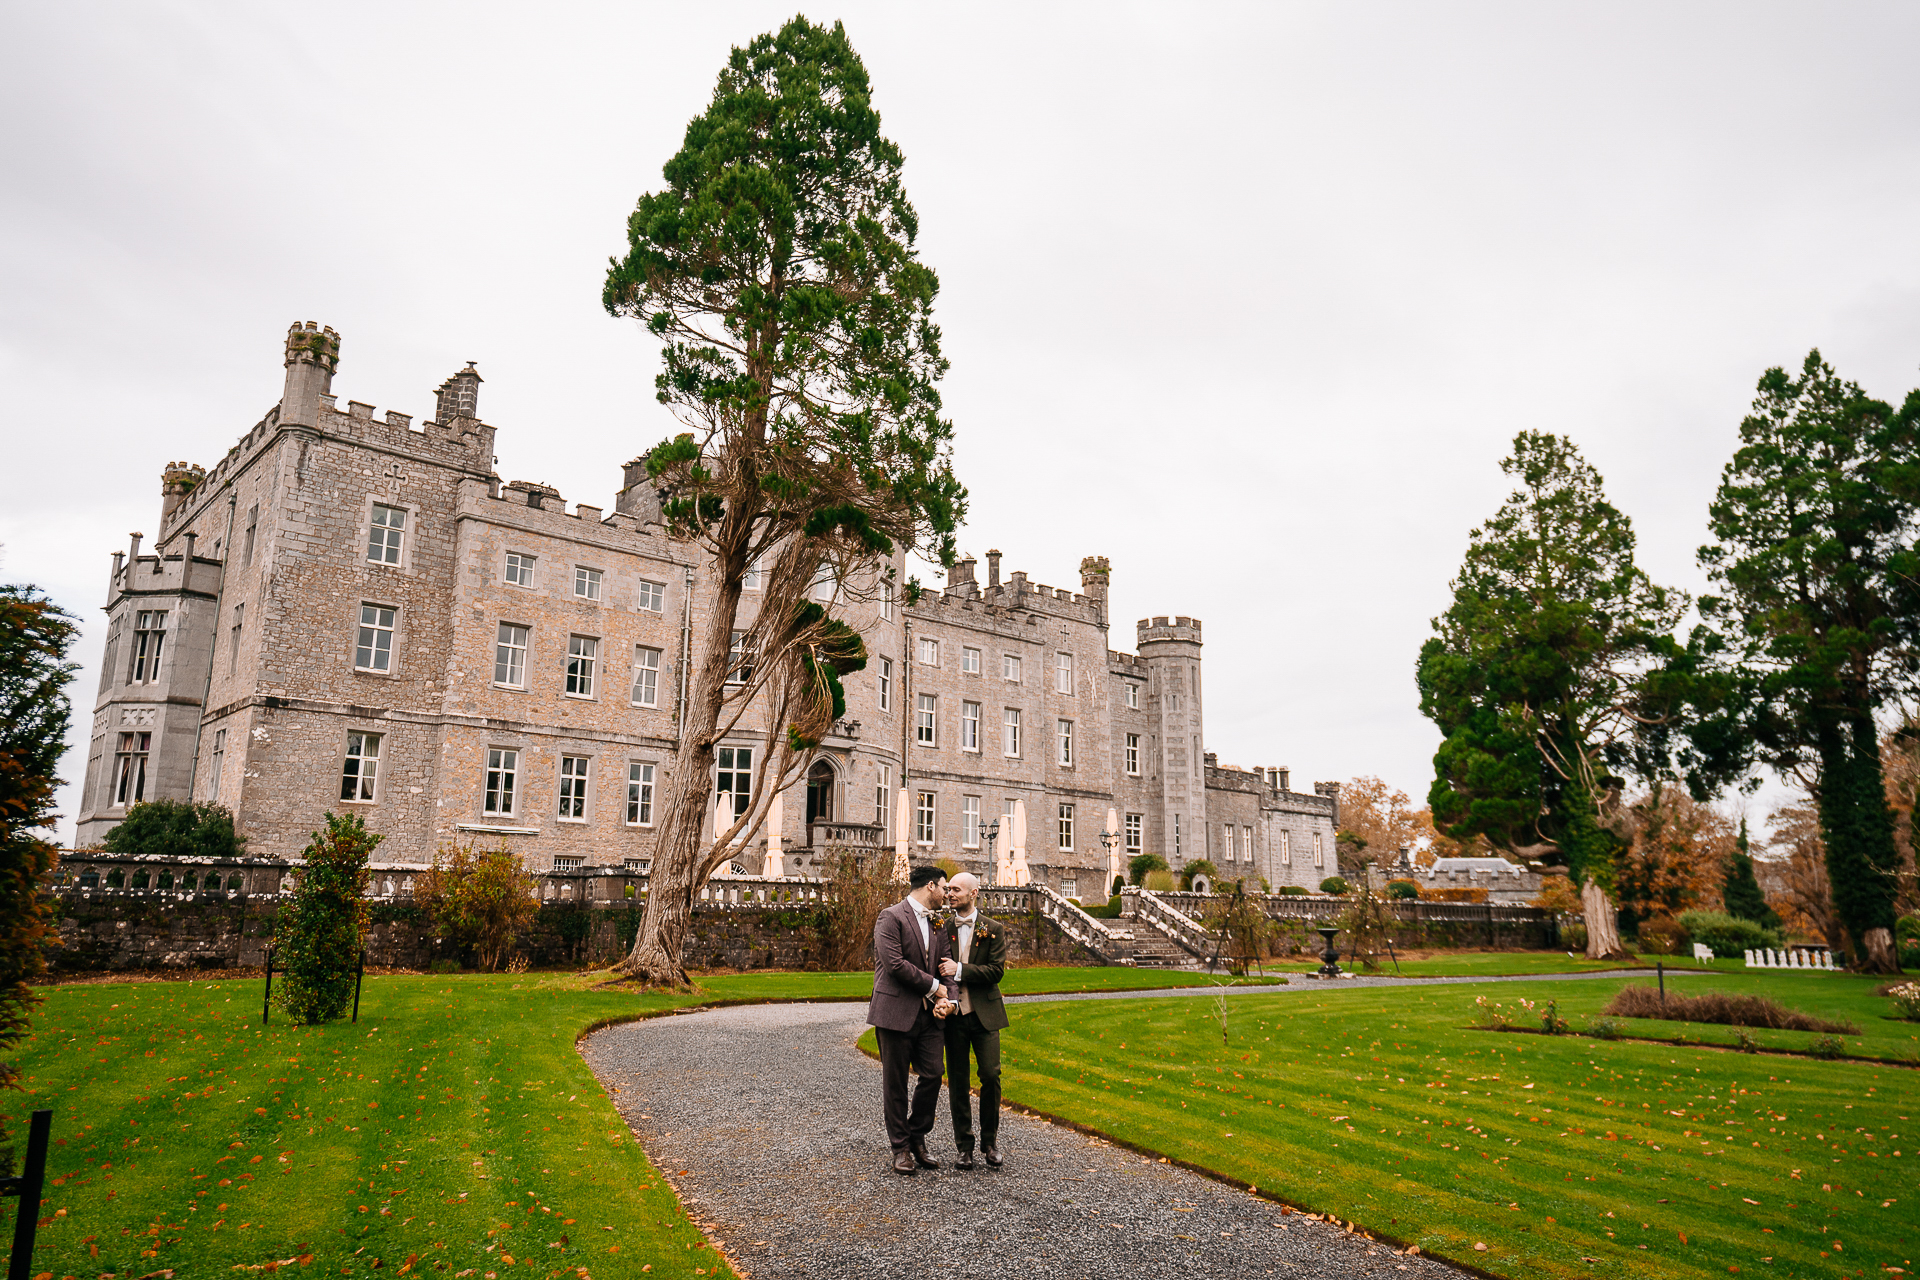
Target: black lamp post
x=991 y=831
x=1111 y=840
x=1331 y=969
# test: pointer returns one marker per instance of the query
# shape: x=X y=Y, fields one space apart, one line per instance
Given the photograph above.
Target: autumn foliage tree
x=1676 y=855
x=476 y=898
x=777 y=268
x=1376 y=822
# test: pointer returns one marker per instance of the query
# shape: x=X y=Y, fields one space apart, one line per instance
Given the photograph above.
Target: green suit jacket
x=982 y=968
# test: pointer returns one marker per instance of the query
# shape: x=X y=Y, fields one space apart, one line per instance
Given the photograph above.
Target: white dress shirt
x=924 y=916
x=966 y=924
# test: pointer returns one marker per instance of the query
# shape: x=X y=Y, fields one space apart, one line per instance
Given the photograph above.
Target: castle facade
x=351 y=612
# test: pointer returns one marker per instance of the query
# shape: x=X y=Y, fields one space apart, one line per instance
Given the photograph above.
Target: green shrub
x=1140 y=865
x=1334 y=885
x=1662 y=936
x=1159 y=881
x=1729 y=936
x=1604 y=1028
x=1907 y=928
x=479 y=899
x=1108 y=910
x=1827 y=1047
x=176 y=829
x=319 y=931
x=444 y=966
x=1198 y=867
x=1293 y=890
x=1402 y=889
x=1573 y=937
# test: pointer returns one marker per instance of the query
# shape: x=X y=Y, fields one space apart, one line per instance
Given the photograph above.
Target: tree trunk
x=1879 y=957
x=1857 y=826
x=1603 y=927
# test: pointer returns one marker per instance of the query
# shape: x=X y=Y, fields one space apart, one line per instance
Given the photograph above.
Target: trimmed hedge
x=1729 y=936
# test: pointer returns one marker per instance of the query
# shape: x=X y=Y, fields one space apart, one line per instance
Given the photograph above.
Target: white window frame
x=640 y=782
x=499 y=782
x=1063 y=673
x=1133 y=694
x=149 y=645
x=926 y=720
x=733 y=764
x=1227 y=850
x=218 y=763
x=927 y=651
x=130 y=767
x=1066 y=827
x=1010 y=668
x=1319 y=852
x=387 y=537
x=1246 y=838
x=886 y=602
x=576 y=775
x=583 y=655
x=588 y=583
x=646 y=676
x=233 y=637
x=1136 y=829
x=511 y=641
x=970 y=822
x=925 y=813
x=360 y=768
x=882 y=802
x=969 y=660
x=1176 y=837
x=367 y=646
x=739 y=660
x=1010 y=733
x=1286 y=848
x=886 y=684
x=650 y=595
x=1132 y=757
x=517 y=569
x=970 y=726
x=1063 y=734
x=750 y=578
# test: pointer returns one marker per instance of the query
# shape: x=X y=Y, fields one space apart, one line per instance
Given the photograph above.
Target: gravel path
x=766 y=1119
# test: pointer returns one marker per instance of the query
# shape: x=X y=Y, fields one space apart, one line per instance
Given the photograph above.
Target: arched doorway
x=820 y=788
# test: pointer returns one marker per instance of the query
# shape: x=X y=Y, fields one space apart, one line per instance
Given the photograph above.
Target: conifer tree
x=777 y=268
x=1741 y=893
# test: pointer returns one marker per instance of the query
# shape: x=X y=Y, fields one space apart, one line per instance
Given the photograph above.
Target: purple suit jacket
x=903 y=971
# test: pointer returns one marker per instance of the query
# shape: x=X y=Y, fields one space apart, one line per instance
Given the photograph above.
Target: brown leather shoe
x=918 y=1147
x=964 y=1160
x=992 y=1155
x=903 y=1163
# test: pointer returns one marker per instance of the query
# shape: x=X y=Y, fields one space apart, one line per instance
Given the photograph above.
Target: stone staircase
x=1154 y=950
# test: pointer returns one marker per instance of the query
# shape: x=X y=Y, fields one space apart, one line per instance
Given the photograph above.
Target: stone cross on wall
x=395 y=478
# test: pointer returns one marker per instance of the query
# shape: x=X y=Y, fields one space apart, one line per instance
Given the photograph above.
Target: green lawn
x=1492 y=964
x=455 y=1122
x=1018 y=982
x=1564 y=1155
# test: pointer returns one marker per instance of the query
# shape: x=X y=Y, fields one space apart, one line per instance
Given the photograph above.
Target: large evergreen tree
x=1545 y=675
x=1814 y=571
x=778 y=269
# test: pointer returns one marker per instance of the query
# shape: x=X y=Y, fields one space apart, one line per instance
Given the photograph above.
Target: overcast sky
x=1249 y=299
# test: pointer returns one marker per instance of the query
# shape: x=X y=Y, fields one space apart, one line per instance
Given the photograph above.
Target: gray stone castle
x=353 y=611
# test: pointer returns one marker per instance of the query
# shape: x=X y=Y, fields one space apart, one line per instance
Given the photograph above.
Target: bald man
x=978 y=947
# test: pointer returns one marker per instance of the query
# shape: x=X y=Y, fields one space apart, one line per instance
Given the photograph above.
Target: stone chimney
x=458 y=397
x=960 y=580
x=1094 y=573
x=177 y=481
x=313 y=356
x=638 y=497
x=1281 y=778
x=1331 y=790
x=993 y=570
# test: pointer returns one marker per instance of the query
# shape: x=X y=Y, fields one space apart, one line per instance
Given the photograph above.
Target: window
x=503 y=769
x=1063 y=733
x=750 y=580
x=586 y=582
x=970 y=661
x=1246 y=844
x=1226 y=841
x=510 y=656
x=1070 y=887
x=519 y=569
x=1066 y=828
x=1133 y=695
x=1063 y=673
x=739 y=659
x=646 y=676
x=639 y=794
x=1286 y=848
x=149 y=637
x=1319 y=855
x=253 y=523
x=1133 y=754
x=233 y=638
x=130 y=773
x=1176 y=835
x=929 y=652
x=1135 y=827
x=568 y=861
x=1009 y=668
x=882 y=814
x=886 y=601
x=923 y=720
x=374 y=649
x=573 y=788
x=969 y=726
x=735 y=776
x=650 y=596
x=1010 y=732
x=385 y=534
x=923 y=818
x=582 y=653
x=886 y=684
x=362 y=764
x=970 y=822
x=218 y=762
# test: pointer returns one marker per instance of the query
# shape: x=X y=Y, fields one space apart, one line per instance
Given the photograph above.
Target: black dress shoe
x=964 y=1160
x=903 y=1163
x=921 y=1156
x=992 y=1155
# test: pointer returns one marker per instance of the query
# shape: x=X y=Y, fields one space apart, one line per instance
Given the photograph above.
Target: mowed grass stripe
x=1380 y=1107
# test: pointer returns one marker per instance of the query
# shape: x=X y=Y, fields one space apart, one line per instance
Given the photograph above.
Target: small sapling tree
x=320 y=929
x=482 y=900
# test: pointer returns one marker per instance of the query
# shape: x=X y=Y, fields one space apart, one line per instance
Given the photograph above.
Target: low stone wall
x=130 y=930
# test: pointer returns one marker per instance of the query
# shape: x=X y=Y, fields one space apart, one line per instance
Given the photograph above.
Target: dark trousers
x=965 y=1035
x=920 y=1049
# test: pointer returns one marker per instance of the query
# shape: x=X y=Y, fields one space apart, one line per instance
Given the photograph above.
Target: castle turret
x=1095 y=571
x=313 y=355
x=458 y=397
x=1171 y=649
x=176 y=482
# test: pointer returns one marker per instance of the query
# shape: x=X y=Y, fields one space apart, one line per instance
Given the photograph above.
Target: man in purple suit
x=910 y=1000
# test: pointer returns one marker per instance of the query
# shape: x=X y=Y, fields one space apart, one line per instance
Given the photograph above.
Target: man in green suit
x=977 y=951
